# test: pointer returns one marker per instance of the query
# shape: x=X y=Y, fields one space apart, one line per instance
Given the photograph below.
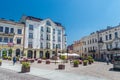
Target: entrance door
x=30 y=54
x=47 y=55
x=17 y=52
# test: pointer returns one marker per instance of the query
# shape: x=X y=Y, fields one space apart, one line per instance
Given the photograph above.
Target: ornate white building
x=43 y=38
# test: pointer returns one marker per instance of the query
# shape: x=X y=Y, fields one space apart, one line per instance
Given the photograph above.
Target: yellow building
x=11 y=38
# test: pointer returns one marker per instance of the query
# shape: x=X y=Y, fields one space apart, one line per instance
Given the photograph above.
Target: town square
x=60 y=40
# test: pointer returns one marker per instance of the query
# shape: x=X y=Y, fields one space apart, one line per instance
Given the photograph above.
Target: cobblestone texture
x=11 y=75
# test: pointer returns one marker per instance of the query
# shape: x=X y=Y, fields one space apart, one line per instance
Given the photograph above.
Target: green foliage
x=10 y=51
x=4 y=53
x=0 y=60
x=89 y=57
x=25 y=64
x=76 y=62
x=62 y=57
x=9 y=58
x=5 y=57
x=85 y=61
x=17 y=58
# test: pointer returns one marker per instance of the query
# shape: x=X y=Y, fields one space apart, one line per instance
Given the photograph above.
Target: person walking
x=14 y=60
x=107 y=60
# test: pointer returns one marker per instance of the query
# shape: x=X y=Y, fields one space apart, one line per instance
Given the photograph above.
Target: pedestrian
x=14 y=60
x=107 y=60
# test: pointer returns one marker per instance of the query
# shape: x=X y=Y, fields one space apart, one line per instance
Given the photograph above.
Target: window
x=18 y=41
x=1 y=29
x=6 y=39
x=41 y=45
x=116 y=35
x=53 y=46
x=110 y=36
x=59 y=46
x=42 y=29
x=30 y=27
x=88 y=41
x=110 y=46
x=53 y=38
x=11 y=40
x=6 y=30
x=116 y=45
x=48 y=30
x=106 y=37
x=107 y=47
x=0 y=39
x=30 y=45
x=30 y=35
x=100 y=38
x=48 y=45
x=12 y=30
x=53 y=31
x=48 y=37
x=59 y=39
x=19 y=31
x=59 y=32
x=48 y=23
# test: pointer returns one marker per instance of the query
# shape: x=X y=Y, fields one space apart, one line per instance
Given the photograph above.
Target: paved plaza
x=96 y=71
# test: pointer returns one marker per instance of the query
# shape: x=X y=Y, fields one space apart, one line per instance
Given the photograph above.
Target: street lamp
x=56 y=53
x=100 y=44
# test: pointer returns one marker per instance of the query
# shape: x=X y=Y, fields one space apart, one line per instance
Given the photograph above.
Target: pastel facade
x=101 y=43
x=11 y=37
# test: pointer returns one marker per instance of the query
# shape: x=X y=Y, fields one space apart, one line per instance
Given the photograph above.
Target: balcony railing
x=7 y=34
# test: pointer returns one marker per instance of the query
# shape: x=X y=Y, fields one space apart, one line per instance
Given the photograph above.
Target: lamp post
x=100 y=43
x=56 y=53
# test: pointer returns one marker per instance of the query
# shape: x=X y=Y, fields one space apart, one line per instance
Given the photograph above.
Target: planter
x=61 y=66
x=39 y=61
x=76 y=65
x=84 y=64
x=47 y=62
x=25 y=69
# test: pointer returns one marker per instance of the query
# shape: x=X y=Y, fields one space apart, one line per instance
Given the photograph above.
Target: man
x=107 y=60
x=14 y=60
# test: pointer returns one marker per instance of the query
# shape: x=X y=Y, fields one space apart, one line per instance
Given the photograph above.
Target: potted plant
x=5 y=57
x=47 y=61
x=62 y=66
x=9 y=58
x=39 y=61
x=25 y=67
x=0 y=62
x=85 y=62
x=76 y=63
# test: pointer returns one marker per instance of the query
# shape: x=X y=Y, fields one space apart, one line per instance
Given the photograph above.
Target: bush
x=26 y=64
x=76 y=62
x=5 y=57
x=9 y=58
x=89 y=57
x=62 y=57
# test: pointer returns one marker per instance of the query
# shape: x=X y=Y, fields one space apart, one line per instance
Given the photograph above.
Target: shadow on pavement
x=115 y=70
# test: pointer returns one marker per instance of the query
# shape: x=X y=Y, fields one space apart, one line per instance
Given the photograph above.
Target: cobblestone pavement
x=98 y=70
x=11 y=75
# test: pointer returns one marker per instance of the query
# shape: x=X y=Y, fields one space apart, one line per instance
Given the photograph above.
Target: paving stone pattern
x=11 y=75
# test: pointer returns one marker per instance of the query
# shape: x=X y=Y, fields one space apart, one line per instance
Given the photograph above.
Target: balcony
x=7 y=34
x=92 y=51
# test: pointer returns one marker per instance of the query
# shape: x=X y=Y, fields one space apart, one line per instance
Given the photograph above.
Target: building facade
x=101 y=43
x=43 y=38
x=11 y=38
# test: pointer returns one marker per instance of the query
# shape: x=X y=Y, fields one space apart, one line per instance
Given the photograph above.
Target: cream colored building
x=11 y=37
x=101 y=43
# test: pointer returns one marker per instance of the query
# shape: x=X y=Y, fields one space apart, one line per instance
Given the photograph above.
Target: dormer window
x=48 y=23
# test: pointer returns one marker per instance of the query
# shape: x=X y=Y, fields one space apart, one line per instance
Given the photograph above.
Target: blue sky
x=80 y=17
